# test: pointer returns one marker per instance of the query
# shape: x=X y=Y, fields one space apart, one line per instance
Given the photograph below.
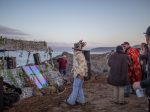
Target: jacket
x=79 y=64
x=118 y=75
x=146 y=83
x=62 y=63
x=134 y=72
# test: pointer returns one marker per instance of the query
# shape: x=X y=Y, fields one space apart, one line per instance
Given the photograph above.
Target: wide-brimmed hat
x=147 y=31
x=79 y=45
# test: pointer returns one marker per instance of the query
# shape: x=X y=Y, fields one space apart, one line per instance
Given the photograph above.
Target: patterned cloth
x=79 y=64
x=134 y=73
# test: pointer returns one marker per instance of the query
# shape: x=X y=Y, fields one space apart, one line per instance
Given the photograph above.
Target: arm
x=59 y=60
x=109 y=61
x=66 y=61
x=145 y=83
x=129 y=61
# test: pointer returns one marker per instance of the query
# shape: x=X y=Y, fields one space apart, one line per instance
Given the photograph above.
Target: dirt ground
x=98 y=96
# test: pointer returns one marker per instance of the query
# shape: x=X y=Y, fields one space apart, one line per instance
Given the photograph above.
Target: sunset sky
x=98 y=22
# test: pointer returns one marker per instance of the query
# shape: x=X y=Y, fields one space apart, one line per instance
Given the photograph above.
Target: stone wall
x=98 y=63
x=12 y=44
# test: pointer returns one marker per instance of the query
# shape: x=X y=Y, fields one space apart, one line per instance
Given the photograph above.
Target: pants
x=148 y=105
x=77 y=94
x=127 y=90
x=118 y=94
x=63 y=71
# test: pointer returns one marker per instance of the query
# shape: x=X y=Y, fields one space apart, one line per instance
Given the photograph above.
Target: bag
x=139 y=92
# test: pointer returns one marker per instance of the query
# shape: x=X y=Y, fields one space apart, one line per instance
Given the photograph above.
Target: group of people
x=130 y=70
x=125 y=69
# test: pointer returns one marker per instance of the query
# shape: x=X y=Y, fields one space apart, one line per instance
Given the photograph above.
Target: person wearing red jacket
x=134 y=72
x=62 y=64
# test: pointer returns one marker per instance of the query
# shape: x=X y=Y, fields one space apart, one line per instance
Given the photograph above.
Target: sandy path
x=98 y=96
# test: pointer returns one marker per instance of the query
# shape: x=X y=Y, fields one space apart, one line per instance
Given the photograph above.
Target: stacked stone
x=12 y=44
x=19 y=79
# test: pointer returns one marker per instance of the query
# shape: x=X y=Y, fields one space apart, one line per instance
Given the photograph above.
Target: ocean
x=22 y=56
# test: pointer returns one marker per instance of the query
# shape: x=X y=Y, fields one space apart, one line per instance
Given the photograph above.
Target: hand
x=141 y=62
x=86 y=74
x=72 y=71
x=81 y=77
x=136 y=85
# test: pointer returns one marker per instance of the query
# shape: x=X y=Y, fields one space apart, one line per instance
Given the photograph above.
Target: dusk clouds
x=10 y=31
x=98 y=22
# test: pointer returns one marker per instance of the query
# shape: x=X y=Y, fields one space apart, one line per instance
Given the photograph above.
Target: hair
x=119 y=49
x=126 y=43
x=145 y=46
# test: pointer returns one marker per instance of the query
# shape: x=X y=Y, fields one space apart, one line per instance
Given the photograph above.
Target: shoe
x=66 y=102
x=115 y=102
x=123 y=103
x=81 y=104
x=77 y=103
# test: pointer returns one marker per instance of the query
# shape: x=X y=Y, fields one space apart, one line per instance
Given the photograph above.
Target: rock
x=26 y=92
x=37 y=92
x=53 y=89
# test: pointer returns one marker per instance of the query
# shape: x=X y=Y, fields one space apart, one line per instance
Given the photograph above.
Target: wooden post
x=1 y=94
x=37 y=58
x=88 y=59
x=28 y=57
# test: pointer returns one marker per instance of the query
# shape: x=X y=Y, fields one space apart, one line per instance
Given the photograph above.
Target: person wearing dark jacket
x=144 y=59
x=146 y=83
x=118 y=75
